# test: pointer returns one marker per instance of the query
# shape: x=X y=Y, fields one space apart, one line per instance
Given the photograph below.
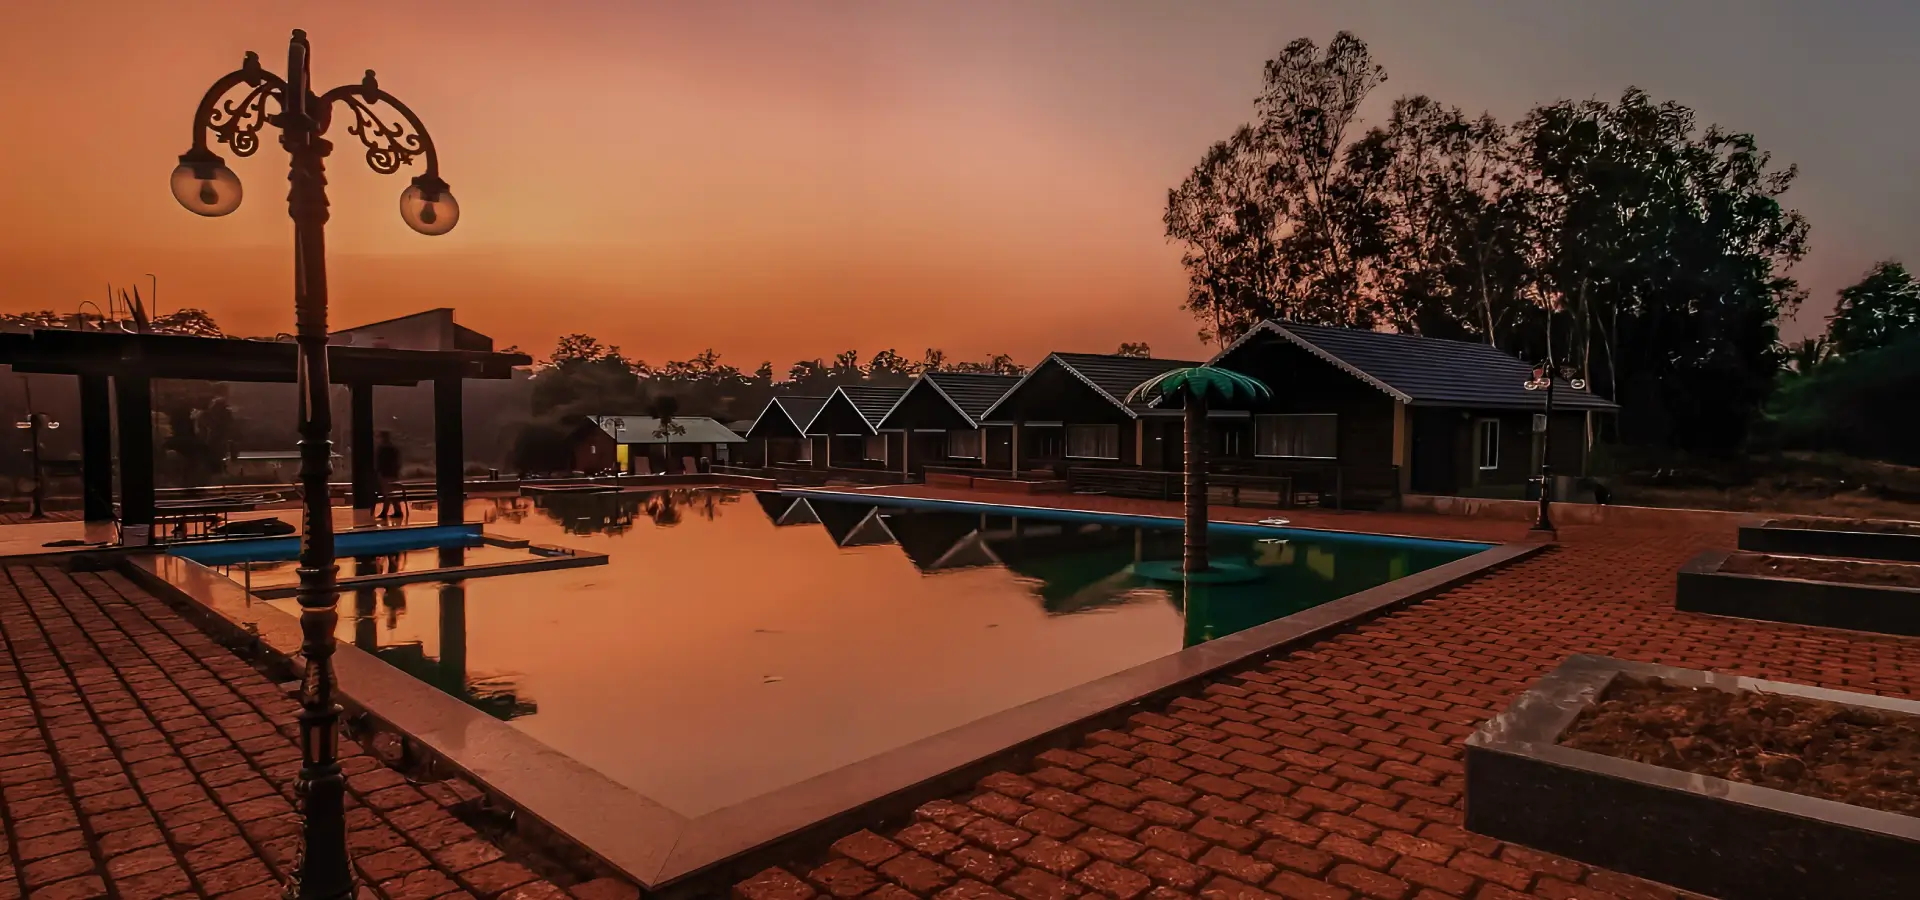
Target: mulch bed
x=1875 y=526
x=1858 y=756
x=1812 y=568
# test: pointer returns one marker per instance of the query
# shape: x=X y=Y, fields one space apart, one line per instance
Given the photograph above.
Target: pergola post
x=133 y=401
x=366 y=482
x=449 y=454
x=96 y=448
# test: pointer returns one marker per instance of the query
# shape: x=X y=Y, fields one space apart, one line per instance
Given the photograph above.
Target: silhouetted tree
x=1883 y=307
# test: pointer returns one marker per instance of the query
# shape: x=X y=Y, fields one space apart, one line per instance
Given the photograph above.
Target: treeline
x=1621 y=236
x=584 y=376
x=1852 y=390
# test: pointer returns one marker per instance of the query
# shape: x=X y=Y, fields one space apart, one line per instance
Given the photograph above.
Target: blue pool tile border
x=346 y=543
x=1074 y=515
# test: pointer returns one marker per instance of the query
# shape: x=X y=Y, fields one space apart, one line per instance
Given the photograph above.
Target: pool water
x=739 y=642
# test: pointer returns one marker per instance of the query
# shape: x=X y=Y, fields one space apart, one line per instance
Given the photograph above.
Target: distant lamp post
x=33 y=424
x=204 y=185
x=1544 y=376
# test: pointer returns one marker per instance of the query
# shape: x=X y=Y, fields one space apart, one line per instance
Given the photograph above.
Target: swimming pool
x=740 y=642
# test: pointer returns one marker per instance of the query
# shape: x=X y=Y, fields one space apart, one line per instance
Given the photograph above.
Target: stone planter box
x=1703 y=588
x=1720 y=838
x=1776 y=536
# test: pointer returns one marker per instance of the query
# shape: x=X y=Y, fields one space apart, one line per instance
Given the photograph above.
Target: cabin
x=1071 y=410
x=778 y=436
x=848 y=428
x=939 y=419
x=623 y=443
x=1396 y=413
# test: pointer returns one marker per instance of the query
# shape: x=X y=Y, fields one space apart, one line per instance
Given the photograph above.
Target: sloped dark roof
x=1424 y=371
x=973 y=393
x=1111 y=375
x=873 y=401
x=799 y=411
x=1115 y=376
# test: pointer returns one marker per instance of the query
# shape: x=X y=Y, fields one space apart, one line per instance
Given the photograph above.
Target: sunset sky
x=786 y=179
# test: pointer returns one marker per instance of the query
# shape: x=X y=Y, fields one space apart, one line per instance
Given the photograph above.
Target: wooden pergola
x=116 y=372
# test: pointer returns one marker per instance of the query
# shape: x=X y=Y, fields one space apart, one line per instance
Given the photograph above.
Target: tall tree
x=1276 y=221
x=1881 y=308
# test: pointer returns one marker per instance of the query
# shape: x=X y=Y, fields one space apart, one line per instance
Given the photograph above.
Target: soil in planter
x=1813 y=568
x=1858 y=756
x=1876 y=526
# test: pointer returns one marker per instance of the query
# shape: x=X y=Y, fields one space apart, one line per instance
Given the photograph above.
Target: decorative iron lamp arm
x=427 y=205
x=202 y=182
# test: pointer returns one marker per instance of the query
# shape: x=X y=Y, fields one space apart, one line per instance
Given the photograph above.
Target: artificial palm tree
x=1195 y=386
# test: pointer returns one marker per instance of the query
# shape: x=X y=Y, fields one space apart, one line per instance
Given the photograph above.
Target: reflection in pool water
x=739 y=642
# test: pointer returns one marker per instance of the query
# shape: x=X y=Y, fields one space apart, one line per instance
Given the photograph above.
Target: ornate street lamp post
x=1544 y=376
x=204 y=185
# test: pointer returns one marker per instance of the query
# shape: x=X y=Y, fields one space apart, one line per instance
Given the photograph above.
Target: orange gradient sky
x=782 y=180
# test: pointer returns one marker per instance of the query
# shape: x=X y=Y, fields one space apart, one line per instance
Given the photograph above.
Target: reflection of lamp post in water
x=33 y=424
x=366 y=629
x=453 y=638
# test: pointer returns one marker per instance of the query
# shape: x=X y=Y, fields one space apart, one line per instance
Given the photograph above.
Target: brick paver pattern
x=1335 y=771
x=140 y=760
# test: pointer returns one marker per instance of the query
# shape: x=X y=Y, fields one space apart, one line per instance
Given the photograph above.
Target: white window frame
x=867 y=445
x=1066 y=441
x=1270 y=416
x=1481 y=444
x=978 y=441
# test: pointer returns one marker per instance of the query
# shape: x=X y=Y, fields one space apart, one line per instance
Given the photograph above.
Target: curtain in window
x=963 y=444
x=1310 y=436
x=1093 y=441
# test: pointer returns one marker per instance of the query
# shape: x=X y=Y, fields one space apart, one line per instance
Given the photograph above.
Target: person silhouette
x=386 y=464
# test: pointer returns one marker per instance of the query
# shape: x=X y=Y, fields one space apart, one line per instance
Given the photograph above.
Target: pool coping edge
x=734 y=841
x=670 y=854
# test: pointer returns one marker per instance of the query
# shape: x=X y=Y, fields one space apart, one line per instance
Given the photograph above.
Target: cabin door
x=1433 y=449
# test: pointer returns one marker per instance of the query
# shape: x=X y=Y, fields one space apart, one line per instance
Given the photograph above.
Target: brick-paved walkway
x=1335 y=772
x=140 y=760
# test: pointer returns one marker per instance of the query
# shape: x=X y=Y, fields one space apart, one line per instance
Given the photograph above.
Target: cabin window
x=1093 y=441
x=1303 y=436
x=804 y=451
x=1230 y=442
x=1489 y=444
x=963 y=444
x=876 y=448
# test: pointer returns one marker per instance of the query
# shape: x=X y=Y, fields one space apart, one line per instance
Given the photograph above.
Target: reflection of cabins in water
x=853 y=524
x=590 y=512
x=942 y=542
x=786 y=511
x=1075 y=566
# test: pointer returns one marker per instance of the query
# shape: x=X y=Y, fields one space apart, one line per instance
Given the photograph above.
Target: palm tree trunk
x=1196 y=559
